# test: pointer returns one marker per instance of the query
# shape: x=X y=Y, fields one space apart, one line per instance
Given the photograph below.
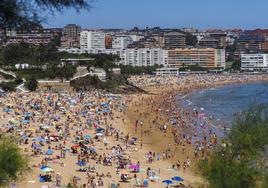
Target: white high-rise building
x=251 y=62
x=121 y=41
x=92 y=40
x=143 y=57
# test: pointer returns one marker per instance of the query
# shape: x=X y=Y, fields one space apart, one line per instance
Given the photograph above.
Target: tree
x=240 y=161
x=236 y=65
x=12 y=162
x=29 y=13
x=191 y=40
x=32 y=84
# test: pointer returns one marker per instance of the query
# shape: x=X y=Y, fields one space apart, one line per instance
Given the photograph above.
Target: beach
x=97 y=139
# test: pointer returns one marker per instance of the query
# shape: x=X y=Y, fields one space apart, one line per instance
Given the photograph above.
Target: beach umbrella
x=81 y=163
x=45 y=126
x=25 y=121
x=28 y=114
x=99 y=134
x=75 y=146
x=134 y=166
x=46 y=169
x=100 y=130
x=177 y=178
x=39 y=139
x=91 y=149
x=49 y=152
x=87 y=136
x=106 y=110
x=168 y=182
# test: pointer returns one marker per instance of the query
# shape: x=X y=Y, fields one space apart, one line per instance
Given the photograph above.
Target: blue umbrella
x=81 y=163
x=168 y=182
x=177 y=178
x=106 y=110
x=25 y=121
x=91 y=149
x=87 y=136
x=39 y=139
x=49 y=152
x=27 y=114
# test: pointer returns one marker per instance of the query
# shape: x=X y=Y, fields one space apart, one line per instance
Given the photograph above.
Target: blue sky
x=201 y=14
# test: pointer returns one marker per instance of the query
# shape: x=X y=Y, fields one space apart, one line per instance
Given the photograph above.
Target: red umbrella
x=75 y=146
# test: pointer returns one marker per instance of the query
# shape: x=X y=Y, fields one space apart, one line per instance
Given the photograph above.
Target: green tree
x=28 y=13
x=240 y=161
x=236 y=65
x=32 y=84
x=12 y=162
x=191 y=40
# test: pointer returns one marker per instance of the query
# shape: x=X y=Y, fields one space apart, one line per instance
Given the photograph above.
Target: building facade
x=70 y=36
x=121 y=41
x=208 y=57
x=252 y=62
x=92 y=40
x=174 y=40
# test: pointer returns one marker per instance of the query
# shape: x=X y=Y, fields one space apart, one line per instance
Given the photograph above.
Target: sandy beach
x=96 y=139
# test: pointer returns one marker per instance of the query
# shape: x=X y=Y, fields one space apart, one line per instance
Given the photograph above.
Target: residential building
x=70 y=36
x=31 y=38
x=142 y=57
x=207 y=57
x=174 y=40
x=134 y=57
x=108 y=41
x=121 y=41
x=249 y=44
x=252 y=62
x=92 y=40
x=209 y=42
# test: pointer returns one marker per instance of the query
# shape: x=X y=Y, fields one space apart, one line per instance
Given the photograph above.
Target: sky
x=200 y=14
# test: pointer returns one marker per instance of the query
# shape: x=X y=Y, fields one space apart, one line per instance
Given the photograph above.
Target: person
x=58 y=179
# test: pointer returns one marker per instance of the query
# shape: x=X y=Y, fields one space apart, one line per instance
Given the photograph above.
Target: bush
x=31 y=84
x=8 y=86
x=12 y=161
x=241 y=162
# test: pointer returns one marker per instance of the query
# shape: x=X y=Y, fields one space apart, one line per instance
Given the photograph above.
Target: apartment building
x=71 y=36
x=31 y=38
x=252 y=62
x=174 y=40
x=121 y=41
x=92 y=40
x=207 y=57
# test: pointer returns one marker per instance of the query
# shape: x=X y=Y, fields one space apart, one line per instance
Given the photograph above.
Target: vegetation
x=31 y=84
x=241 y=162
x=12 y=162
x=8 y=86
x=25 y=13
x=195 y=67
x=191 y=40
x=236 y=65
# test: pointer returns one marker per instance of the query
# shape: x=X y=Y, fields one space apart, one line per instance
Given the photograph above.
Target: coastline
x=161 y=93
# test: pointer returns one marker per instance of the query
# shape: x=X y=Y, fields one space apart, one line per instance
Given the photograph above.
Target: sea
x=224 y=103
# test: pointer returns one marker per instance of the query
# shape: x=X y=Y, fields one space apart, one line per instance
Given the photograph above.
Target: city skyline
x=207 y=14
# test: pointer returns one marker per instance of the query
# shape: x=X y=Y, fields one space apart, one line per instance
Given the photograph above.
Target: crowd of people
x=97 y=139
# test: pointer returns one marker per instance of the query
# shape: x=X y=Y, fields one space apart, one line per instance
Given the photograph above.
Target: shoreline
x=156 y=92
